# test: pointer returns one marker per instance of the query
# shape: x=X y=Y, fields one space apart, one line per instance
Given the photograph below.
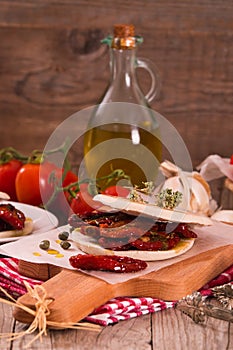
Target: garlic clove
x=200 y=198
x=174 y=183
x=4 y=196
x=169 y=169
x=177 y=184
x=213 y=206
x=198 y=177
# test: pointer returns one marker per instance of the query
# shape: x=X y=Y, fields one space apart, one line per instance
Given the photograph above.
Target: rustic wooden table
x=168 y=329
x=164 y=330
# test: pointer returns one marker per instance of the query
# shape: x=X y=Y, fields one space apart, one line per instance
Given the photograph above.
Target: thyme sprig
x=168 y=198
x=135 y=192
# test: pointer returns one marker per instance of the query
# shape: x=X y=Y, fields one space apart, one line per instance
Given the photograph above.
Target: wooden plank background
x=52 y=64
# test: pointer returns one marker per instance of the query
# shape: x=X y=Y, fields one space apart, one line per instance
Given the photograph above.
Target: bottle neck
x=123 y=85
x=122 y=64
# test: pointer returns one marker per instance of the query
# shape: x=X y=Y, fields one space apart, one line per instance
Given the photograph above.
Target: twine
x=40 y=314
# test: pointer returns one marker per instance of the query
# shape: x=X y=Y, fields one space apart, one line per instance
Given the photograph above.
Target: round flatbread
x=90 y=246
x=136 y=208
x=28 y=227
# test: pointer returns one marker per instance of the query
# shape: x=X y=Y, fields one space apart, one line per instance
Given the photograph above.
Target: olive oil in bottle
x=136 y=151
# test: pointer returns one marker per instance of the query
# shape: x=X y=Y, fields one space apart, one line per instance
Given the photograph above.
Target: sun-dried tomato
x=126 y=232
x=185 y=231
x=173 y=241
x=140 y=245
x=13 y=217
x=155 y=242
x=100 y=219
x=114 y=244
x=120 y=231
x=111 y=263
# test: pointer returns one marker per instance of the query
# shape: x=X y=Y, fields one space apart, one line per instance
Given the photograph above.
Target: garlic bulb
x=196 y=191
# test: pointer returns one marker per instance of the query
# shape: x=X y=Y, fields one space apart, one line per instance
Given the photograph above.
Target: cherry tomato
x=8 y=172
x=83 y=203
x=117 y=191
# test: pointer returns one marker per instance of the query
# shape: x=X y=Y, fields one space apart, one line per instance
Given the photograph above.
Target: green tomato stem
x=74 y=187
x=9 y=153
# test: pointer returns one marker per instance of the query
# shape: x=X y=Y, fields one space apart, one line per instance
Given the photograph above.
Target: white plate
x=88 y=245
x=42 y=220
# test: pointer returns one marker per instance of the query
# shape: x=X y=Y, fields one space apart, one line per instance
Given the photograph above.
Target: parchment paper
x=217 y=235
x=214 y=167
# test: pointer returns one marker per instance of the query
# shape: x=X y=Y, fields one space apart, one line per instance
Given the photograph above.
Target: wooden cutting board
x=75 y=294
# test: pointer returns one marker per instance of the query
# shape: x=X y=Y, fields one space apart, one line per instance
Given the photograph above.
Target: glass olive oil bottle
x=123 y=132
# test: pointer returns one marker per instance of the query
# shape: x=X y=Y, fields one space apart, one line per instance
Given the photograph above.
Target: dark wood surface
x=52 y=64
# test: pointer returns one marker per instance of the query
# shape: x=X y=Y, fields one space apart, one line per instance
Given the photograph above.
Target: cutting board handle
x=74 y=294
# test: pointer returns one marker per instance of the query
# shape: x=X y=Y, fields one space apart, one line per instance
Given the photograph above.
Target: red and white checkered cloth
x=114 y=310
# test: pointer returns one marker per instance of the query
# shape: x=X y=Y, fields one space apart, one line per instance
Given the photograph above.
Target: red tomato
x=8 y=172
x=33 y=185
x=117 y=191
x=83 y=203
x=231 y=159
x=28 y=182
x=69 y=178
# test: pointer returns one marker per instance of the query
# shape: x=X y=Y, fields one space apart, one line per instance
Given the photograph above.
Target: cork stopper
x=124 y=37
x=123 y=30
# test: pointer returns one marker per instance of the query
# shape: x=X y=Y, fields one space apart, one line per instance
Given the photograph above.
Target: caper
x=65 y=244
x=63 y=236
x=44 y=244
